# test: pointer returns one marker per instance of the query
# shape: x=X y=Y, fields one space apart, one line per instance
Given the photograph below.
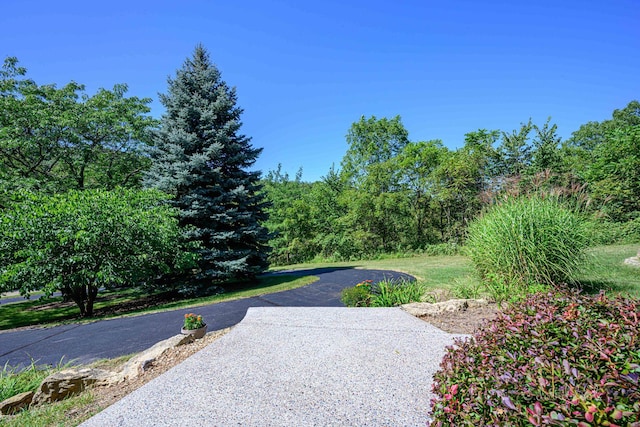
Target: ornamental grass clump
x=386 y=293
x=527 y=241
x=559 y=358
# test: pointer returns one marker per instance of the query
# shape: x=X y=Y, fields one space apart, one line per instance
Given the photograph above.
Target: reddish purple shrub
x=557 y=359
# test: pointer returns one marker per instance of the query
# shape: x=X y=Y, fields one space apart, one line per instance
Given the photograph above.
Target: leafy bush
x=358 y=295
x=528 y=240
x=560 y=358
x=445 y=249
x=79 y=242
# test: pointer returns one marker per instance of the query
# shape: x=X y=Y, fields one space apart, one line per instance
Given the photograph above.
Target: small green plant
x=467 y=287
x=14 y=381
x=192 y=321
x=358 y=295
x=559 y=358
x=388 y=293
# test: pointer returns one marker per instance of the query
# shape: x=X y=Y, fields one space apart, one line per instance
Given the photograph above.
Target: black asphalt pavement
x=85 y=343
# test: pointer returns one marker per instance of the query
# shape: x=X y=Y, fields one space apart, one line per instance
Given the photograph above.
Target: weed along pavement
x=85 y=343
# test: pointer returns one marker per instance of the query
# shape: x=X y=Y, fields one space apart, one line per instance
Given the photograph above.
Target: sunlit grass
x=432 y=271
x=62 y=414
x=603 y=269
x=607 y=271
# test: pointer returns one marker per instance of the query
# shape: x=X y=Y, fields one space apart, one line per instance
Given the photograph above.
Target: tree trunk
x=91 y=297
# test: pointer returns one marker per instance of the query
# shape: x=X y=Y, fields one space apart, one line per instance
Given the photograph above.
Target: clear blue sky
x=305 y=71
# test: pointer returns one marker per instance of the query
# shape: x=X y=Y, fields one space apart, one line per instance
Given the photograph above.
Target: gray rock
x=633 y=261
x=14 y=404
x=142 y=361
x=61 y=384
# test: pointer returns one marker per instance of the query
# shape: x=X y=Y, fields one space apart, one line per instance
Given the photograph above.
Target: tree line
x=392 y=194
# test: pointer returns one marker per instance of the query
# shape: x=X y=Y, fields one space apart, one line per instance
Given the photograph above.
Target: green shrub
x=442 y=249
x=560 y=358
x=81 y=242
x=386 y=293
x=358 y=295
x=389 y=293
x=526 y=241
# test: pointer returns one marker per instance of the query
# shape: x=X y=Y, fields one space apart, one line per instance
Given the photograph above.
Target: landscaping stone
x=141 y=362
x=420 y=309
x=14 y=404
x=61 y=384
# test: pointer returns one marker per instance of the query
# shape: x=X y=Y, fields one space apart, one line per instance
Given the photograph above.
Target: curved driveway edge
x=297 y=367
x=85 y=343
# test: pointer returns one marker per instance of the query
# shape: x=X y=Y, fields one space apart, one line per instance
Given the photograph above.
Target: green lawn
x=604 y=269
x=433 y=271
x=132 y=302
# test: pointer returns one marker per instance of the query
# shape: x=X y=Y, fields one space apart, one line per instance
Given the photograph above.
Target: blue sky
x=305 y=71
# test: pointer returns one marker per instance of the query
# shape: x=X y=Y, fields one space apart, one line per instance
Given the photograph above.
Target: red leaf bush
x=559 y=358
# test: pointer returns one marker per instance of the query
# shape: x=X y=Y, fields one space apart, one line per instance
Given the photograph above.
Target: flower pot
x=197 y=333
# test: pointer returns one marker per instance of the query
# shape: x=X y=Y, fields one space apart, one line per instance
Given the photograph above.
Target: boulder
x=14 y=404
x=142 y=361
x=61 y=384
x=420 y=309
x=633 y=261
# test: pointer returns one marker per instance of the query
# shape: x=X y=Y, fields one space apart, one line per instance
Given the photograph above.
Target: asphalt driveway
x=85 y=343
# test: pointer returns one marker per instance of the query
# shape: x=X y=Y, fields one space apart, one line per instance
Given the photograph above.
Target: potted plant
x=194 y=325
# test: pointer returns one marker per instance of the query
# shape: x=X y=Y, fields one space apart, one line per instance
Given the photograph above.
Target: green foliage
x=358 y=295
x=386 y=293
x=602 y=232
x=394 y=195
x=373 y=141
x=56 y=139
x=526 y=241
x=201 y=159
x=442 y=249
x=557 y=359
x=291 y=220
x=467 y=287
x=80 y=241
x=14 y=381
x=192 y=321
x=614 y=176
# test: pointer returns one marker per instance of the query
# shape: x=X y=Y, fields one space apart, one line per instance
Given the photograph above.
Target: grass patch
x=603 y=269
x=63 y=413
x=431 y=271
x=13 y=382
x=606 y=271
x=117 y=303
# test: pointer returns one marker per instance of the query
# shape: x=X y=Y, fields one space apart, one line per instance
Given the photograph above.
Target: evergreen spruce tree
x=201 y=159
